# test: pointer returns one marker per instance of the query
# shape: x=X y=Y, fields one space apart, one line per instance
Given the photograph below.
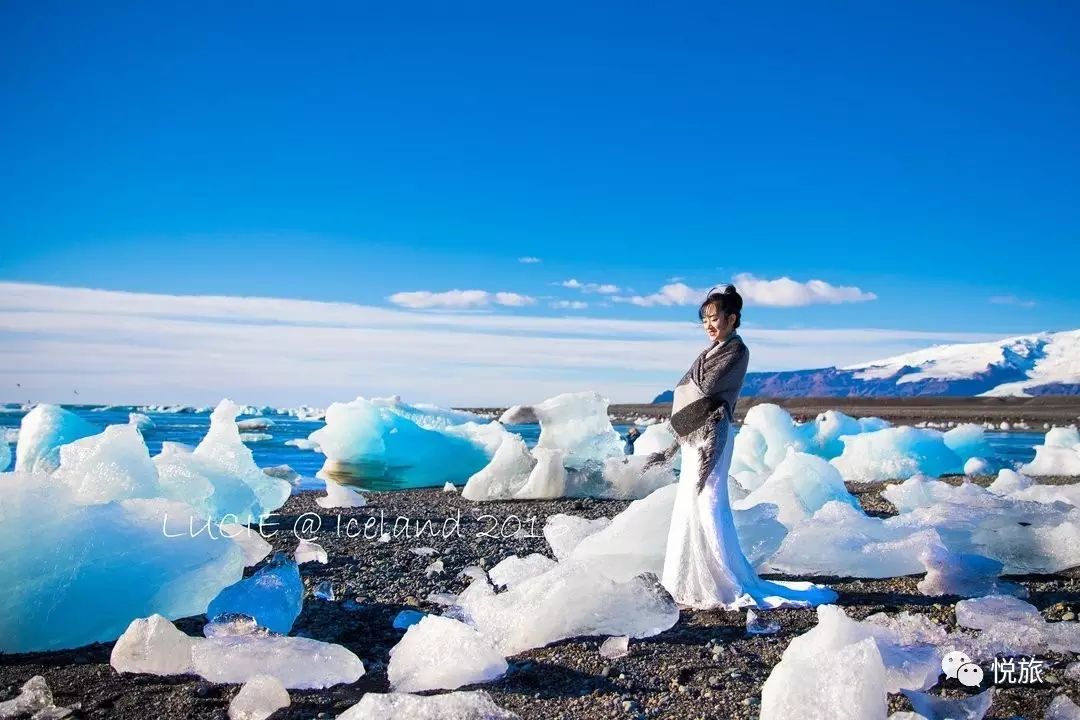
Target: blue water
x=189 y=428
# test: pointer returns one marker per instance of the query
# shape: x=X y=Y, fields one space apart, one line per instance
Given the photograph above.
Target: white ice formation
x=578 y=454
x=385 y=437
x=1058 y=455
x=460 y=705
x=154 y=645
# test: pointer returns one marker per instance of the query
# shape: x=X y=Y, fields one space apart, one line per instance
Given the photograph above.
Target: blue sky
x=923 y=157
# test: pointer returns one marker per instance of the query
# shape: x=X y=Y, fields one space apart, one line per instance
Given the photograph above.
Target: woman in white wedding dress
x=704 y=566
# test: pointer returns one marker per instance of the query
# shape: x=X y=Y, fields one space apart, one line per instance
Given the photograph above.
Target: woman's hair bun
x=727 y=300
x=732 y=301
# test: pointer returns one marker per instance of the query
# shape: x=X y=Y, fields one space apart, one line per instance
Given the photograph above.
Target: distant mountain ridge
x=1026 y=365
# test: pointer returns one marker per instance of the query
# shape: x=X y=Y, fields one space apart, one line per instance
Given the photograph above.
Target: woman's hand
x=654 y=459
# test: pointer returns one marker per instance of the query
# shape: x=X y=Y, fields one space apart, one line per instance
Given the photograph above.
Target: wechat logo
x=959 y=666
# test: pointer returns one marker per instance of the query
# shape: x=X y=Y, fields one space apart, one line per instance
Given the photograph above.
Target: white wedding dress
x=704 y=566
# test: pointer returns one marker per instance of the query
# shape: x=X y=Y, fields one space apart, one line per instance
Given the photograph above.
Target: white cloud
x=590 y=287
x=121 y=347
x=782 y=292
x=670 y=294
x=785 y=292
x=570 y=304
x=529 y=260
x=458 y=299
x=513 y=299
x=1012 y=300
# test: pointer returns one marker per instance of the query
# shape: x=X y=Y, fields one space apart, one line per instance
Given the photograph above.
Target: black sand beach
x=1056 y=410
x=704 y=667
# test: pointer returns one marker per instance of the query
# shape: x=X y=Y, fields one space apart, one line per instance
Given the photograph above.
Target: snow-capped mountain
x=1026 y=365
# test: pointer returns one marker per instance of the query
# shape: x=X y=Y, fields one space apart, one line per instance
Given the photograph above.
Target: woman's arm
x=661 y=458
x=719 y=381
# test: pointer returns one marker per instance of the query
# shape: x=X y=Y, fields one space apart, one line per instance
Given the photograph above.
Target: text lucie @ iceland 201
x=311 y=524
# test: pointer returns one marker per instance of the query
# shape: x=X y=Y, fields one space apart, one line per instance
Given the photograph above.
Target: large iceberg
x=898 y=452
x=508 y=472
x=577 y=425
x=154 y=524
x=60 y=588
x=206 y=485
x=968 y=441
x=218 y=479
x=863 y=449
x=223 y=448
x=384 y=438
x=769 y=432
x=578 y=454
x=828 y=427
x=1058 y=455
x=547 y=478
x=42 y=431
x=656 y=438
x=799 y=486
x=961 y=536
x=1027 y=537
x=841 y=540
x=113 y=465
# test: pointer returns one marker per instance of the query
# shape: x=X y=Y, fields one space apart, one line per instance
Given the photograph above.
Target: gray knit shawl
x=710 y=389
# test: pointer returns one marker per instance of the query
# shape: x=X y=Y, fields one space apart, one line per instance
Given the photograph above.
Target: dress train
x=704 y=565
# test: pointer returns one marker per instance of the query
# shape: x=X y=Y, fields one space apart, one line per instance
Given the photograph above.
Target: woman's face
x=717 y=324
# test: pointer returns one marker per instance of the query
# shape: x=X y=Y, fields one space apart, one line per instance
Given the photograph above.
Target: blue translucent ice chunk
x=274 y=595
x=43 y=430
x=405 y=618
x=933 y=707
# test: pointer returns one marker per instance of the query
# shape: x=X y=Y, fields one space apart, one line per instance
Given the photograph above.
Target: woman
x=704 y=567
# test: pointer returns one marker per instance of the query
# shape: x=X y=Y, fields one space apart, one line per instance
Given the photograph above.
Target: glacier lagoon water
x=191 y=427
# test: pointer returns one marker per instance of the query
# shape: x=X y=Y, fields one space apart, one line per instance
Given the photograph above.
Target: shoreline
x=1057 y=409
x=679 y=673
